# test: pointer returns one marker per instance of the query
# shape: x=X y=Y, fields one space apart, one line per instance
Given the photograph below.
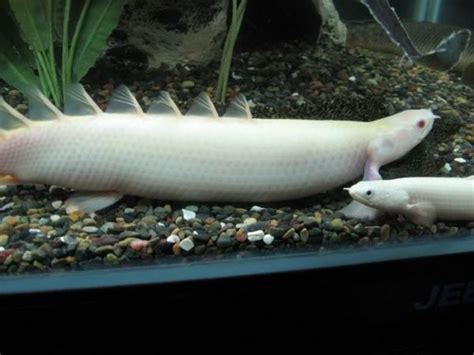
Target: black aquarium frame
x=376 y=289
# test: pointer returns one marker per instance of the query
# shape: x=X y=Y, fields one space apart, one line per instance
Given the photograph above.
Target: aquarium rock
x=332 y=24
x=170 y=32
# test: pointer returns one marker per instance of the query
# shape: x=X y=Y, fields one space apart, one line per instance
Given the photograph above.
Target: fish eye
x=421 y=123
x=369 y=193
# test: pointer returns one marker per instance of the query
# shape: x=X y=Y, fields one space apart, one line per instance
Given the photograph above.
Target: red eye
x=421 y=124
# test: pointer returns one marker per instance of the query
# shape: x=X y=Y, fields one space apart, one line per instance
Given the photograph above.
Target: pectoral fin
x=92 y=201
x=360 y=211
x=422 y=213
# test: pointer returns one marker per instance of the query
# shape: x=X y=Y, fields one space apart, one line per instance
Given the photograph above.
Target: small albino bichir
x=198 y=156
x=421 y=199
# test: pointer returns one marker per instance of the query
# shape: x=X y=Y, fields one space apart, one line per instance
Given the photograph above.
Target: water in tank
x=146 y=134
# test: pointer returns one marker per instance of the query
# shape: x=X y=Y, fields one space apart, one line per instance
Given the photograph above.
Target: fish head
x=379 y=194
x=401 y=132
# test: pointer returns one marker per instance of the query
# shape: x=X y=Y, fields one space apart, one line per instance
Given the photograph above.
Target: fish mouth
x=358 y=196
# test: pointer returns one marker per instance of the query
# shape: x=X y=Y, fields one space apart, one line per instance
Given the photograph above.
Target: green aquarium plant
x=226 y=60
x=51 y=43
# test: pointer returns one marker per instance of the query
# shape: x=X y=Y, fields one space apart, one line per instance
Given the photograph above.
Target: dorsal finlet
x=39 y=106
x=239 y=108
x=10 y=118
x=78 y=103
x=164 y=105
x=123 y=101
x=202 y=106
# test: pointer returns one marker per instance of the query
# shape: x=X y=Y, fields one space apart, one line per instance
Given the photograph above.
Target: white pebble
x=257 y=209
x=27 y=256
x=129 y=210
x=188 y=214
x=255 y=236
x=186 y=244
x=34 y=231
x=447 y=168
x=67 y=239
x=268 y=239
x=249 y=221
x=71 y=209
x=352 y=78
x=236 y=77
x=296 y=237
x=2 y=248
x=57 y=204
x=173 y=239
x=90 y=229
x=460 y=160
x=107 y=226
x=7 y=206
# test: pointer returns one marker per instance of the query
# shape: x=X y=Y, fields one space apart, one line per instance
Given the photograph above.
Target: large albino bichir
x=198 y=156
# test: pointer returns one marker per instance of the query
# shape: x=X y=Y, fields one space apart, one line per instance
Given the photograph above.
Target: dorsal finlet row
x=78 y=103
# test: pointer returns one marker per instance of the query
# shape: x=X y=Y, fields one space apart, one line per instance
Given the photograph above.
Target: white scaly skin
x=166 y=156
x=421 y=199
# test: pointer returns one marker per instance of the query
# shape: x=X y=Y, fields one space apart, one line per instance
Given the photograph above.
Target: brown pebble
x=4 y=254
x=5 y=228
x=46 y=229
x=22 y=226
x=139 y=244
x=11 y=220
x=385 y=232
x=288 y=234
x=364 y=241
x=176 y=249
x=241 y=235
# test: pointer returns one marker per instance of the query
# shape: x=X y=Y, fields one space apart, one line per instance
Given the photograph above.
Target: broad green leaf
x=100 y=20
x=32 y=17
x=14 y=66
x=10 y=33
x=16 y=59
x=58 y=19
x=59 y=8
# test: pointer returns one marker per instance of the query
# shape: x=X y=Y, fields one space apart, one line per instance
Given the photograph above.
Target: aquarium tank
x=228 y=144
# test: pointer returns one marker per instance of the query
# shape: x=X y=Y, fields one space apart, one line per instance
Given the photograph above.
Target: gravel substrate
x=293 y=81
